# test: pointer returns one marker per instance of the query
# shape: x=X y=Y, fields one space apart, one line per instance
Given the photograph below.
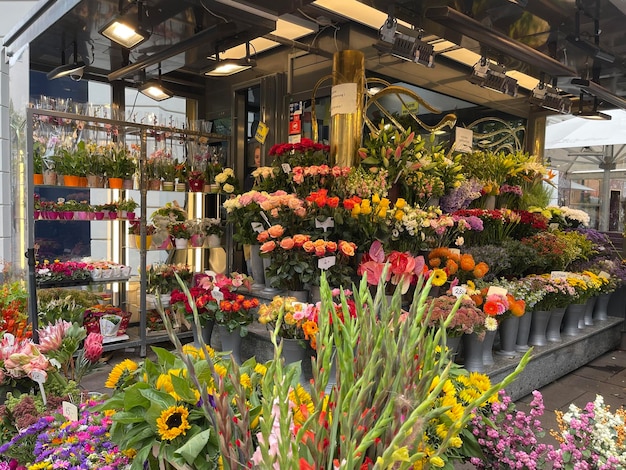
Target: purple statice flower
x=461 y=197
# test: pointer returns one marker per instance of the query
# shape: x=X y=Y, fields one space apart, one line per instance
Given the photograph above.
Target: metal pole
x=607 y=165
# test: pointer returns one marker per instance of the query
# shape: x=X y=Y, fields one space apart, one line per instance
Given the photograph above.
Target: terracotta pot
x=50 y=178
x=128 y=184
x=38 y=178
x=154 y=184
x=71 y=180
x=82 y=181
x=95 y=181
x=116 y=183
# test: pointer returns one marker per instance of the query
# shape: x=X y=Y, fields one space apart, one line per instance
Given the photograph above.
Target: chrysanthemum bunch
x=467 y=318
x=593 y=437
x=458 y=267
x=408 y=227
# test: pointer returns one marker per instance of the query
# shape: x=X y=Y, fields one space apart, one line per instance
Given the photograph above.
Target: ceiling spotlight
x=154 y=89
x=493 y=76
x=74 y=70
x=405 y=43
x=575 y=85
x=591 y=114
x=126 y=29
x=548 y=97
x=225 y=68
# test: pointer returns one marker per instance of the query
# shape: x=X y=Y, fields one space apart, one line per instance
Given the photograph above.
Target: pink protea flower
x=51 y=337
x=93 y=347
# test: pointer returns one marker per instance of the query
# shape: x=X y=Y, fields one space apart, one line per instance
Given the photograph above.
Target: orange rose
x=320 y=251
x=434 y=262
x=320 y=243
x=263 y=236
x=287 y=243
x=276 y=231
x=347 y=248
x=331 y=247
x=332 y=202
x=308 y=246
x=300 y=239
x=268 y=247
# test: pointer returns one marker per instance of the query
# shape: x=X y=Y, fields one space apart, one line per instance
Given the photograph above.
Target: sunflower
x=173 y=422
x=439 y=277
x=120 y=373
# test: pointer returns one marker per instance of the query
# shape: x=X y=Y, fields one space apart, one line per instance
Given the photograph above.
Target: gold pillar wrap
x=346 y=130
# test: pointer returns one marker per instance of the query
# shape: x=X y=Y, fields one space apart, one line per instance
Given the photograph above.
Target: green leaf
x=158 y=399
x=183 y=389
x=126 y=417
x=133 y=396
x=192 y=448
x=166 y=358
x=370 y=161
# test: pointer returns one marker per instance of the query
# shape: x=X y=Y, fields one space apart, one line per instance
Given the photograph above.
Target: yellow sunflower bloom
x=120 y=372
x=173 y=422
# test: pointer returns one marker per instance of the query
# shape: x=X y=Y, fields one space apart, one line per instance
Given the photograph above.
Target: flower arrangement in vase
x=298 y=319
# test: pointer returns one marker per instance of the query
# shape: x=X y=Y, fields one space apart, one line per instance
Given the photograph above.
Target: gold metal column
x=346 y=127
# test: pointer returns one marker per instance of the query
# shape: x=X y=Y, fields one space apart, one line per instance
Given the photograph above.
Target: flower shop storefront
x=391 y=301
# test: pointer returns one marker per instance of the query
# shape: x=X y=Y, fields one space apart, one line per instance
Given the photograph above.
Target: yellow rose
x=398 y=215
x=400 y=203
x=228 y=188
x=366 y=210
x=356 y=210
x=375 y=198
x=437 y=461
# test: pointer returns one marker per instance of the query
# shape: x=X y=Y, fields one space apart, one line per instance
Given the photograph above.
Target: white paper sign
x=70 y=411
x=217 y=294
x=496 y=290
x=326 y=262
x=559 y=275
x=463 y=139
x=286 y=167
x=40 y=378
x=326 y=224
x=459 y=291
x=343 y=99
x=9 y=338
x=257 y=227
x=455 y=251
x=604 y=275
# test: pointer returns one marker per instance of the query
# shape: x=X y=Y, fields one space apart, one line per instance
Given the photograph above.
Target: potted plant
x=214 y=230
x=95 y=168
x=120 y=166
x=135 y=229
x=167 y=172
x=198 y=235
x=181 y=233
x=126 y=208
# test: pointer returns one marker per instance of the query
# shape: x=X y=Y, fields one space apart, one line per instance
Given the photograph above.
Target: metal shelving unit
x=141 y=133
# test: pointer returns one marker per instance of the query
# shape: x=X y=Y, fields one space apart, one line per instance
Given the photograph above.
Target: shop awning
x=579 y=132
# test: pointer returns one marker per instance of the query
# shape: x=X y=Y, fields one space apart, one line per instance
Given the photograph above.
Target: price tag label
x=217 y=294
x=261 y=132
x=455 y=251
x=559 y=275
x=325 y=224
x=326 y=262
x=38 y=376
x=267 y=221
x=10 y=339
x=286 y=167
x=70 y=411
x=459 y=291
x=604 y=275
x=496 y=290
x=553 y=226
x=257 y=227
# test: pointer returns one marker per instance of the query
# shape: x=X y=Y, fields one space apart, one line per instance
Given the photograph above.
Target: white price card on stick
x=286 y=167
x=496 y=290
x=257 y=227
x=70 y=411
x=326 y=263
x=327 y=223
x=459 y=291
x=559 y=275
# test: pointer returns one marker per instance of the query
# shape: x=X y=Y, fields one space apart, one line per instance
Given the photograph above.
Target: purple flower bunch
x=511 y=442
x=461 y=197
x=81 y=444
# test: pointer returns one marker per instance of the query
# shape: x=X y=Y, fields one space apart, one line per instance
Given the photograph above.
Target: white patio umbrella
x=579 y=132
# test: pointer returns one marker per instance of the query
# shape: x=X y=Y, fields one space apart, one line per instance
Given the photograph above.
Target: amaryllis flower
x=51 y=337
x=93 y=347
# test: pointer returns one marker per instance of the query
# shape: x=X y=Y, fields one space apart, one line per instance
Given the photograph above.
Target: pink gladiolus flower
x=93 y=347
